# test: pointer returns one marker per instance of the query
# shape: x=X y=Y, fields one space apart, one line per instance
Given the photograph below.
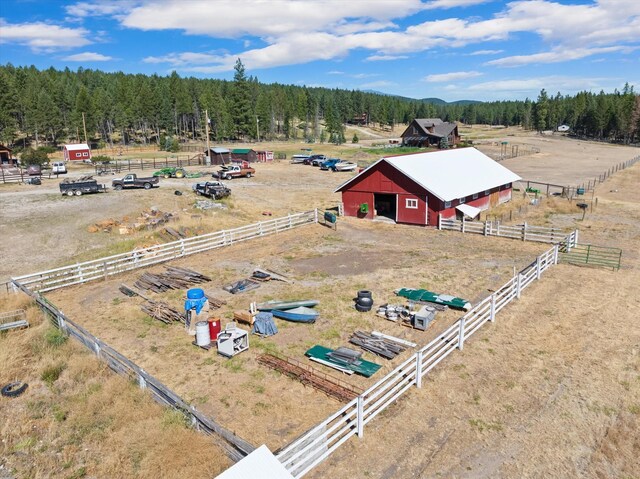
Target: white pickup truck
x=233 y=171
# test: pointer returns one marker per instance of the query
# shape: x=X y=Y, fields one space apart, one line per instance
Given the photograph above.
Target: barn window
x=462 y=201
x=486 y=192
x=447 y=204
x=475 y=196
x=84 y=153
x=411 y=204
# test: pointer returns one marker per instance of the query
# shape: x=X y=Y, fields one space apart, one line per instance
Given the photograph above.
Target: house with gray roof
x=429 y=132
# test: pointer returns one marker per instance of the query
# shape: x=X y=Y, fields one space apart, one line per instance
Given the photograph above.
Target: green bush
x=50 y=374
x=55 y=337
x=34 y=157
x=101 y=159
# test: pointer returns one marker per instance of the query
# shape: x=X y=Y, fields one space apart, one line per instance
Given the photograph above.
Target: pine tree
x=241 y=110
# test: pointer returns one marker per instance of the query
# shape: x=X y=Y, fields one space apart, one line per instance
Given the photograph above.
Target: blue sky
x=451 y=49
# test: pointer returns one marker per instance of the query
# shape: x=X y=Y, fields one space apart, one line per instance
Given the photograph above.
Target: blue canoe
x=297 y=315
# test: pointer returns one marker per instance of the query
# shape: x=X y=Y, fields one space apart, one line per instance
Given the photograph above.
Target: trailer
x=81 y=186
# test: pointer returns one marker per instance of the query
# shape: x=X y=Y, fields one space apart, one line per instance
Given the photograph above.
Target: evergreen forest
x=47 y=107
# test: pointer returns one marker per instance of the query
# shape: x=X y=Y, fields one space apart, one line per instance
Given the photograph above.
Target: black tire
x=364 y=293
x=14 y=389
x=78 y=192
x=117 y=187
x=181 y=173
x=362 y=309
x=69 y=193
x=167 y=175
x=248 y=175
x=147 y=186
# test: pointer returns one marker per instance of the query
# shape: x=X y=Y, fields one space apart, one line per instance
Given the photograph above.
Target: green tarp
x=431 y=297
x=364 y=368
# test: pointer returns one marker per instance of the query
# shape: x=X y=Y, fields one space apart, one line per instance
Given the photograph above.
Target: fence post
x=461 y=334
x=79 y=268
x=104 y=270
x=556 y=249
x=419 y=369
x=439 y=221
x=492 y=309
x=141 y=380
x=518 y=285
x=289 y=216
x=62 y=326
x=485 y=228
x=524 y=231
x=538 y=271
x=260 y=232
x=575 y=238
x=96 y=347
x=463 y=223
x=360 y=416
x=315 y=216
x=182 y=251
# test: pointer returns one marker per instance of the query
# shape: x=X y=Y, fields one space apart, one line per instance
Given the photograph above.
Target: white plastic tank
x=203 y=337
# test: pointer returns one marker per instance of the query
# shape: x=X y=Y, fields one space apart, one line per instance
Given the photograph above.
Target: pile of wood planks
x=377 y=345
x=307 y=375
x=172 y=278
x=162 y=312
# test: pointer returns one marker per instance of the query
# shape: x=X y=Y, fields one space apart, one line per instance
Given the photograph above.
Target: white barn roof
x=77 y=146
x=449 y=174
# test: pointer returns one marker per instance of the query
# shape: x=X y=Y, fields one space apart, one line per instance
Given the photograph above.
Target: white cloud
x=88 y=57
x=378 y=84
x=550 y=83
x=43 y=37
x=556 y=56
x=298 y=32
x=185 y=58
x=335 y=72
x=385 y=58
x=453 y=76
x=486 y=52
x=97 y=9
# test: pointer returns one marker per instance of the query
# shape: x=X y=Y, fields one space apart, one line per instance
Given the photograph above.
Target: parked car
x=318 y=159
x=58 y=168
x=132 y=181
x=34 y=170
x=329 y=164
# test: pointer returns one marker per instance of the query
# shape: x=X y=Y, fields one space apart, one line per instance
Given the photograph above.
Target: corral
x=326 y=265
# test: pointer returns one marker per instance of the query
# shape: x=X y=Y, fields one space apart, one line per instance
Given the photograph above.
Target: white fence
x=522 y=232
x=140 y=258
x=313 y=447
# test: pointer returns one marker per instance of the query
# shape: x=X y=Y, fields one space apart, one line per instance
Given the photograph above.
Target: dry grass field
x=551 y=389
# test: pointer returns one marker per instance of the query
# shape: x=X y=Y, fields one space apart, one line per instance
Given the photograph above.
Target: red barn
x=78 y=152
x=416 y=188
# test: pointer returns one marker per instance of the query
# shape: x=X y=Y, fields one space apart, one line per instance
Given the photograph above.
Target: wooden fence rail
x=139 y=258
x=313 y=447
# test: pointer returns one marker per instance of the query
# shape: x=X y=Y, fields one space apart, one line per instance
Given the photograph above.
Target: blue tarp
x=264 y=325
x=196 y=304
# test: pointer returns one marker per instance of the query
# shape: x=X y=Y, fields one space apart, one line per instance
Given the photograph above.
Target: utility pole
x=206 y=129
x=84 y=127
x=258 y=128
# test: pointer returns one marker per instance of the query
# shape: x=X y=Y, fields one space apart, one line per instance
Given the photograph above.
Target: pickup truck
x=132 y=181
x=329 y=164
x=234 y=171
x=212 y=189
x=81 y=186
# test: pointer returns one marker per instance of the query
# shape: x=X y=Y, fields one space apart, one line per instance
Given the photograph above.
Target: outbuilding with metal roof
x=416 y=188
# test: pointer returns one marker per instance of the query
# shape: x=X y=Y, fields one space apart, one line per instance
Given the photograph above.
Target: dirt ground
x=550 y=390
x=520 y=401
x=330 y=266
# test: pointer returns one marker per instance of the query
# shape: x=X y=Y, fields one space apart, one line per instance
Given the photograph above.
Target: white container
x=203 y=337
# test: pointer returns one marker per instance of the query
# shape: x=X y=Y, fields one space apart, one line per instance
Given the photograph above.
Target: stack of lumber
x=377 y=345
x=162 y=312
x=214 y=303
x=172 y=278
x=77 y=180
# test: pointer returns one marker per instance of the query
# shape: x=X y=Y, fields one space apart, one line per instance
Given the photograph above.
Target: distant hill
x=433 y=101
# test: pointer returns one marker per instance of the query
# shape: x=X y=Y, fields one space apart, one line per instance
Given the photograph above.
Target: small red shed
x=416 y=188
x=77 y=152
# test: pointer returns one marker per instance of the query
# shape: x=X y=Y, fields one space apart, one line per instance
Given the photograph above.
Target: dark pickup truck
x=132 y=181
x=212 y=189
x=81 y=186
